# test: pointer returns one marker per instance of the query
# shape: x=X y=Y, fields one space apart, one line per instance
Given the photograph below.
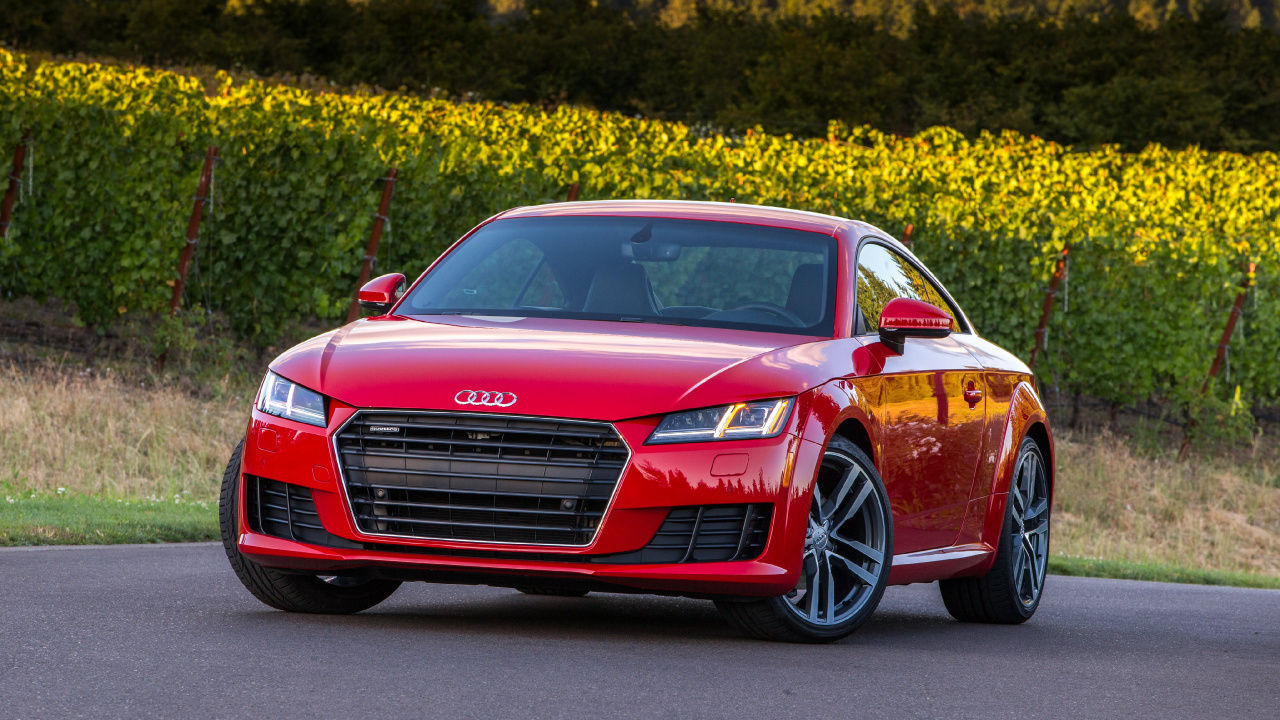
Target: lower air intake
x=286 y=511
x=705 y=533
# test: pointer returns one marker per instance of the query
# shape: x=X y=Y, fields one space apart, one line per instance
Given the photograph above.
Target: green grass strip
x=79 y=520
x=1121 y=570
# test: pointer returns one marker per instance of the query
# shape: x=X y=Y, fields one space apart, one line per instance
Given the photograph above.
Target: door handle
x=973 y=397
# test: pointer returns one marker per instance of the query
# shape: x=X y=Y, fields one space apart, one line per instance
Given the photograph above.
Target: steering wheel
x=772 y=309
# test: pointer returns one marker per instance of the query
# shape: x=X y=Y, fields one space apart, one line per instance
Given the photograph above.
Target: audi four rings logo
x=485 y=397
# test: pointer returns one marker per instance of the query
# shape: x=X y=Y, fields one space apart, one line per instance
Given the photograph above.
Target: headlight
x=286 y=399
x=727 y=422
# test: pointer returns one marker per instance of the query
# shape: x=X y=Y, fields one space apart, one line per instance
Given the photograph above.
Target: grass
x=97 y=434
x=41 y=519
x=1120 y=570
x=100 y=457
x=1213 y=514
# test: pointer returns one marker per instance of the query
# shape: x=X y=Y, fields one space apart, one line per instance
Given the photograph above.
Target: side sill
x=940 y=564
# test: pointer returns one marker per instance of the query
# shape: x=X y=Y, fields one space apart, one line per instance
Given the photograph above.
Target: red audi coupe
x=780 y=411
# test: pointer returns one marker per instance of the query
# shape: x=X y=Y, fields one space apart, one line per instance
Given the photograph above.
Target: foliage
x=1081 y=71
x=178 y=334
x=1159 y=238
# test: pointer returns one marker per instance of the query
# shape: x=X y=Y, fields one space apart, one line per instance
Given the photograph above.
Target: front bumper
x=778 y=472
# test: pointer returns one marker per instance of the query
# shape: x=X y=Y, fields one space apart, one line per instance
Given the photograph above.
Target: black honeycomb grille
x=479 y=477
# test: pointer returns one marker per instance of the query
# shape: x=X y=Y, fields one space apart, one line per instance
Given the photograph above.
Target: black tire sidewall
x=228 y=504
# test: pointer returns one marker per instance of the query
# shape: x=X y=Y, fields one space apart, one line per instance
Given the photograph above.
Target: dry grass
x=1206 y=513
x=94 y=434
x=98 y=435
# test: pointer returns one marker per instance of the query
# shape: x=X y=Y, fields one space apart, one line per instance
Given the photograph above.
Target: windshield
x=635 y=269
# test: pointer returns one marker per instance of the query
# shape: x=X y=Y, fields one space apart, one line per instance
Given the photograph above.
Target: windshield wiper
x=651 y=321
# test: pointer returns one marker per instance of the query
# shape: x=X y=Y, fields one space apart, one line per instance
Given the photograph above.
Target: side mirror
x=903 y=318
x=381 y=293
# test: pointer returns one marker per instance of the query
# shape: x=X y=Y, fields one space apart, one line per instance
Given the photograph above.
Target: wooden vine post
x=1043 y=326
x=375 y=237
x=1221 y=354
x=15 y=182
x=906 y=237
x=193 y=229
x=573 y=193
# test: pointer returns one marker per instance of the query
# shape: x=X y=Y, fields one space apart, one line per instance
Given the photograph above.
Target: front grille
x=286 y=511
x=479 y=477
x=705 y=533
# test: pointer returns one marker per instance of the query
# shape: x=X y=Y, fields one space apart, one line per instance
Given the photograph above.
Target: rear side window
x=884 y=275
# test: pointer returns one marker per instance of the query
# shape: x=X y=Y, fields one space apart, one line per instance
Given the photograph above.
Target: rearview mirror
x=904 y=317
x=651 y=251
x=381 y=293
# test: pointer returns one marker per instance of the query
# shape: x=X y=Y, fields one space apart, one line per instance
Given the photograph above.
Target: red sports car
x=780 y=411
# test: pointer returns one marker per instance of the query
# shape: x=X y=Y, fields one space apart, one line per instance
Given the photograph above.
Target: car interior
x=677 y=271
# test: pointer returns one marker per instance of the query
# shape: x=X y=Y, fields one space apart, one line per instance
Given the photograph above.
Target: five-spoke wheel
x=845 y=544
x=848 y=550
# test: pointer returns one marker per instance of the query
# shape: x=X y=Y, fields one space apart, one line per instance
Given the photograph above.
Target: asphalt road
x=167 y=631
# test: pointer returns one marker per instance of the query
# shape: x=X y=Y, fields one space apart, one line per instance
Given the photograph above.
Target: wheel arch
x=1025 y=418
x=853 y=430
x=1039 y=431
x=844 y=407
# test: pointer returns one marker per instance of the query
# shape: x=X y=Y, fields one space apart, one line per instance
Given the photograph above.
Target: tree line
x=1209 y=78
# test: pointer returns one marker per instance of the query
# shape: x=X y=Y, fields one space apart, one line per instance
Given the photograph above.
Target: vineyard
x=1160 y=241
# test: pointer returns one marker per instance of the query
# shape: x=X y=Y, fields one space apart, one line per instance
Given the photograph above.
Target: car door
x=933 y=414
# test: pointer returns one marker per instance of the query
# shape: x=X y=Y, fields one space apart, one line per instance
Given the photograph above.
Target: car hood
x=555 y=368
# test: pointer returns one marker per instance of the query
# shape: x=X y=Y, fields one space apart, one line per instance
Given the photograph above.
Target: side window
x=928 y=292
x=499 y=279
x=884 y=275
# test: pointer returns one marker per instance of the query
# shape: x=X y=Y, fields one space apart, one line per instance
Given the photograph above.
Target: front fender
x=832 y=404
x=821 y=412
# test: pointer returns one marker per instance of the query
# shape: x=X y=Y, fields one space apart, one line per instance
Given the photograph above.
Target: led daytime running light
x=739 y=421
x=728 y=418
x=286 y=399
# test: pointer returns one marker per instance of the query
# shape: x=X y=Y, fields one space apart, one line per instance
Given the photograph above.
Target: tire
x=1011 y=590
x=848 y=549
x=329 y=595
x=552 y=592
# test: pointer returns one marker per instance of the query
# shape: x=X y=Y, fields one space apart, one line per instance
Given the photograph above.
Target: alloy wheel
x=844 y=546
x=1029 y=507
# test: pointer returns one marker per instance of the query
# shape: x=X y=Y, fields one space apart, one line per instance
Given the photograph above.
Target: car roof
x=700 y=210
